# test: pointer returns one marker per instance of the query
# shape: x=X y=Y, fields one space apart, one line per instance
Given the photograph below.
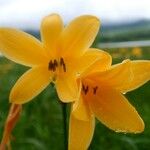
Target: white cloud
x=28 y=13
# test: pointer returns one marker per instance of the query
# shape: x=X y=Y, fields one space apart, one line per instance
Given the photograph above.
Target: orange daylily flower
x=61 y=56
x=102 y=97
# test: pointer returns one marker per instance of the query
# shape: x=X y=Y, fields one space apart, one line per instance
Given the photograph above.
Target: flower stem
x=13 y=117
x=64 y=113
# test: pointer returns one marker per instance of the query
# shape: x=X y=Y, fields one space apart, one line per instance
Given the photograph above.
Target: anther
x=50 y=65
x=85 y=89
x=53 y=65
x=62 y=63
x=95 y=90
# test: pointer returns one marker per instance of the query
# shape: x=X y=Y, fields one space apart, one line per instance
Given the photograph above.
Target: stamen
x=64 y=67
x=95 y=90
x=55 y=62
x=62 y=63
x=85 y=89
x=53 y=65
x=50 y=65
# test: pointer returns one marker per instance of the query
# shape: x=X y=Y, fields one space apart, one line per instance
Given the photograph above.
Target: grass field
x=40 y=125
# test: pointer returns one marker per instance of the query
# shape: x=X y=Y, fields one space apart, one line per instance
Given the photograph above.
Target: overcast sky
x=28 y=13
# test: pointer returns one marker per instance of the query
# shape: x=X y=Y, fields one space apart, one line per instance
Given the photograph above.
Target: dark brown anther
x=53 y=65
x=62 y=63
x=95 y=90
x=64 y=67
x=50 y=65
x=85 y=89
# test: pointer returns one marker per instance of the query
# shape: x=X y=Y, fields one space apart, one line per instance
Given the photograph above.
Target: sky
x=28 y=13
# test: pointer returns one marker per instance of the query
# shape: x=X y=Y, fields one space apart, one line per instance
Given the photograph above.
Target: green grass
x=40 y=125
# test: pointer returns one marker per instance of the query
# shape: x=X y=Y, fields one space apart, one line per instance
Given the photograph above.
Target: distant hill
x=136 y=24
x=139 y=30
x=35 y=33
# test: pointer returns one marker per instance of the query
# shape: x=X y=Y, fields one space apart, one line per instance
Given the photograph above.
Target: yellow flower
x=61 y=56
x=102 y=97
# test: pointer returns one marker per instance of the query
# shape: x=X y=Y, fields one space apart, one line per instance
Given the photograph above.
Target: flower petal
x=79 y=35
x=94 y=60
x=141 y=74
x=80 y=110
x=80 y=133
x=21 y=47
x=67 y=88
x=51 y=28
x=30 y=85
x=114 y=110
x=117 y=76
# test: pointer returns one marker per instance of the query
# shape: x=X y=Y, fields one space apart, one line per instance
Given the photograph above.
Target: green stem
x=64 y=113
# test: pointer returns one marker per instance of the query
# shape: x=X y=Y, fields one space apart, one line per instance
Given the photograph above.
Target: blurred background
x=124 y=32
